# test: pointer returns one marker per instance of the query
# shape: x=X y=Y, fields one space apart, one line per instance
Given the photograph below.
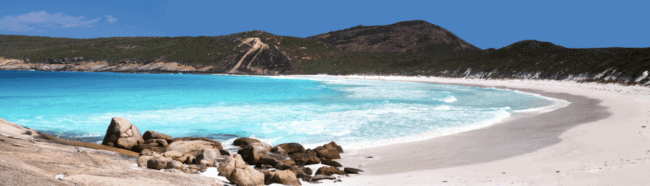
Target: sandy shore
x=599 y=139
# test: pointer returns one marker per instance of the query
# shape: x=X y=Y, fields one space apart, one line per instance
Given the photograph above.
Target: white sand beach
x=599 y=139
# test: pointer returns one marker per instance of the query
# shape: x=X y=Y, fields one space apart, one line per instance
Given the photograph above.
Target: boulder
x=208 y=154
x=349 y=170
x=224 y=152
x=333 y=145
x=172 y=154
x=209 y=163
x=158 y=162
x=156 y=135
x=327 y=153
x=193 y=146
x=301 y=170
x=186 y=158
x=147 y=152
x=243 y=142
x=161 y=142
x=270 y=159
x=158 y=150
x=268 y=176
x=252 y=153
x=230 y=164
x=142 y=160
x=121 y=133
x=142 y=147
x=328 y=171
x=279 y=150
x=247 y=177
x=291 y=148
x=236 y=171
x=311 y=152
x=304 y=159
x=173 y=164
x=285 y=177
x=329 y=162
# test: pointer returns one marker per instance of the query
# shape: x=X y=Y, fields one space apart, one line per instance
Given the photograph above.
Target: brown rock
x=349 y=170
x=142 y=160
x=142 y=147
x=158 y=150
x=311 y=152
x=147 y=152
x=192 y=147
x=172 y=154
x=173 y=164
x=318 y=177
x=243 y=142
x=246 y=177
x=121 y=133
x=224 y=152
x=161 y=142
x=327 y=153
x=328 y=171
x=236 y=171
x=252 y=153
x=268 y=176
x=292 y=148
x=301 y=170
x=156 y=135
x=209 y=154
x=209 y=163
x=279 y=150
x=230 y=164
x=270 y=159
x=330 y=162
x=186 y=158
x=285 y=177
x=304 y=159
x=333 y=146
x=158 y=163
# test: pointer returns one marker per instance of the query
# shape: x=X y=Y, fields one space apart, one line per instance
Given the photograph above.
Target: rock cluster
x=256 y=162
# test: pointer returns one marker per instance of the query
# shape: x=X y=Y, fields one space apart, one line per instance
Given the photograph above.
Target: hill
x=397 y=49
x=407 y=36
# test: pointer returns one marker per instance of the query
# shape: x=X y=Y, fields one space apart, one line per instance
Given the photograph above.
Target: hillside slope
x=396 y=49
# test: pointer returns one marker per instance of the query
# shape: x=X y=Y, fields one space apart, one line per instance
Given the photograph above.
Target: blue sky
x=576 y=24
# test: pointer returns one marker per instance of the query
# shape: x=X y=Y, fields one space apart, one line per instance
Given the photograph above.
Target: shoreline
x=529 y=122
x=554 y=147
x=598 y=138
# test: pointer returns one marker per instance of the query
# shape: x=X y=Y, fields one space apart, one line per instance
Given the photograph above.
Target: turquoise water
x=277 y=110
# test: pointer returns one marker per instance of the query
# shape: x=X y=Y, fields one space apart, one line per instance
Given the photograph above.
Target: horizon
x=489 y=25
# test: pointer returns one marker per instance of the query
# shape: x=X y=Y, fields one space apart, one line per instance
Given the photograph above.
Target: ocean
x=276 y=109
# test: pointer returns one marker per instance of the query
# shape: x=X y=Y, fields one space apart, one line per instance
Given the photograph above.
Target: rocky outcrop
x=121 y=133
x=193 y=146
x=260 y=59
